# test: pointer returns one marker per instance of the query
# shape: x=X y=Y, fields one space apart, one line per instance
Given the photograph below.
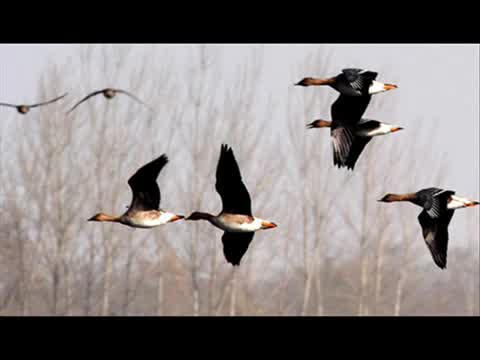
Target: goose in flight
x=351 y=82
x=349 y=133
x=359 y=136
x=109 y=93
x=23 y=109
x=438 y=207
x=144 y=210
x=235 y=219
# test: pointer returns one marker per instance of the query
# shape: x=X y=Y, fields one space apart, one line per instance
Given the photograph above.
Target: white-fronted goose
x=109 y=93
x=346 y=113
x=23 y=109
x=144 y=210
x=351 y=82
x=361 y=134
x=236 y=217
x=438 y=207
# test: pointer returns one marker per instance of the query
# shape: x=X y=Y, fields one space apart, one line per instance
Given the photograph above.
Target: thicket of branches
x=336 y=250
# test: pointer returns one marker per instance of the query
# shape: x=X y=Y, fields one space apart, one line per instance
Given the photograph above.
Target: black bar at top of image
x=400 y=24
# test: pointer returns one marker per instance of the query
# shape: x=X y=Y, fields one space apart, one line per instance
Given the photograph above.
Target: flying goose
x=144 y=210
x=348 y=140
x=438 y=207
x=235 y=219
x=351 y=82
x=23 y=109
x=347 y=153
x=109 y=93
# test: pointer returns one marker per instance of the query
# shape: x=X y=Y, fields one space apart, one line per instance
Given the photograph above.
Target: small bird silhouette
x=109 y=93
x=23 y=109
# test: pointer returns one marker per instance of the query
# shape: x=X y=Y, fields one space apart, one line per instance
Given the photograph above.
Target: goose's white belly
x=383 y=129
x=149 y=221
x=237 y=227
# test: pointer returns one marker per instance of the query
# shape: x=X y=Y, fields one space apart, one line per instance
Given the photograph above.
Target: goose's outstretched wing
x=229 y=184
x=133 y=97
x=235 y=245
x=85 y=99
x=435 y=234
x=49 y=101
x=145 y=190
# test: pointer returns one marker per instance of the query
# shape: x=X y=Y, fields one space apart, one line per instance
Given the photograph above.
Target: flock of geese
x=349 y=132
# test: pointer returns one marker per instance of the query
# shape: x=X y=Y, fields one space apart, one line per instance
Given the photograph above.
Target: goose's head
x=319 y=123
x=268 y=225
x=305 y=82
x=388 y=198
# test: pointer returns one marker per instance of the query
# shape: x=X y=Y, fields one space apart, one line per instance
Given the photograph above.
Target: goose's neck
x=412 y=197
x=198 y=215
x=105 y=217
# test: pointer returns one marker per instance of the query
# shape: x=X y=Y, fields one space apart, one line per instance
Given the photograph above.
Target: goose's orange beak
x=387 y=87
x=268 y=225
x=176 y=217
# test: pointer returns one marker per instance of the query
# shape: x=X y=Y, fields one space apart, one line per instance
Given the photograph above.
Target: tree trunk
x=55 y=285
x=233 y=293
x=160 y=300
x=378 y=271
x=319 y=276
x=196 y=310
x=107 y=278
x=211 y=283
x=69 y=281
x=128 y=271
x=89 y=279
x=399 y=291
x=362 y=306
x=306 y=292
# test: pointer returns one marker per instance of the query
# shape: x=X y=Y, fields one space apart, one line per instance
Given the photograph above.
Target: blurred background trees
x=336 y=250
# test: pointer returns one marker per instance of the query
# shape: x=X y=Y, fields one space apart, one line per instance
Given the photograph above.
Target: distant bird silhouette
x=109 y=93
x=351 y=82
x=23 y=109
x=144 y=210
x=438 y=207
x=235 y=219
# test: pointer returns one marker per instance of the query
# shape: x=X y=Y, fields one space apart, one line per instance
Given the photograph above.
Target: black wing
x=229 y=184
x=351 y=74
x=235 y=245
x=359 y=79
x=133 y=97
x=49 y=101
x=348 y=110
x=434 y=200
x=356 y=149
x=342 y=140
x=435 y=234
x=85 y=99
x=145 y=190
